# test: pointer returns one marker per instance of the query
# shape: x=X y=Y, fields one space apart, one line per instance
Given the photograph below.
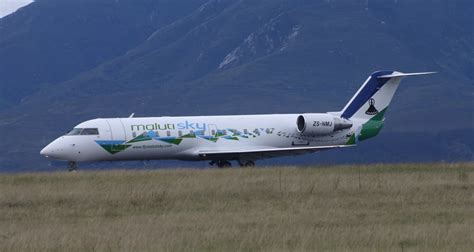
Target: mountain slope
x=51 y=41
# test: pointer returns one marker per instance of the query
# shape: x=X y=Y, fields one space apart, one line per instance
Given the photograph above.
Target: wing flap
x=264 y=152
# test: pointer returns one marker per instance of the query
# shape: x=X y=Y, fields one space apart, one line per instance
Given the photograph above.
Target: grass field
x=363 y=208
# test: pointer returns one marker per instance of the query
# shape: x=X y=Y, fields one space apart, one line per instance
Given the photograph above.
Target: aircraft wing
x=254 y=154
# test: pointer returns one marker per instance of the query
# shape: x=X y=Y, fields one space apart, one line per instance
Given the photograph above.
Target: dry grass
x=364 y=208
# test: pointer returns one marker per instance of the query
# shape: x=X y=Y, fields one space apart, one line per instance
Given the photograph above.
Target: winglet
x=399 y=74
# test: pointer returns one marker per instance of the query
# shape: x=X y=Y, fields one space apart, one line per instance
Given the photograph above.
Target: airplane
x=221 y=139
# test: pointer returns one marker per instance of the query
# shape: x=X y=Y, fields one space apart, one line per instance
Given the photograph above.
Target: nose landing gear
x=72 y=166
x=221 y=163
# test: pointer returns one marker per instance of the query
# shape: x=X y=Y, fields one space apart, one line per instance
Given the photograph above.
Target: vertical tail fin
x=374 y=96
x=369 y=104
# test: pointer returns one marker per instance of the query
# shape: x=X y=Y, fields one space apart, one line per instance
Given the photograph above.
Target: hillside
x=356 y=208
x=51 y=41
x=238 y=57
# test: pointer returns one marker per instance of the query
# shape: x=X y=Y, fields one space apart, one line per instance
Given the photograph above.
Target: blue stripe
x=164 y=138
x=367 y=91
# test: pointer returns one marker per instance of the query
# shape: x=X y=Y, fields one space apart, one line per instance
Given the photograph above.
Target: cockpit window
x=90 y=131
x=83 y=131
x=74 y=132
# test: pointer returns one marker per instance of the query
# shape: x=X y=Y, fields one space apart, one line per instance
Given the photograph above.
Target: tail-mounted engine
x=320 y=124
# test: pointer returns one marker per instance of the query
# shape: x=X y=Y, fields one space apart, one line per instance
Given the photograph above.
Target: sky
x=9 y=6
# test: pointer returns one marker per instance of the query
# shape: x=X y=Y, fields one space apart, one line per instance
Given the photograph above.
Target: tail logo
x=371 y=110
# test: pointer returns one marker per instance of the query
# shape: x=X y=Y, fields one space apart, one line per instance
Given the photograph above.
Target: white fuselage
x=184 y=138
x=244 y=138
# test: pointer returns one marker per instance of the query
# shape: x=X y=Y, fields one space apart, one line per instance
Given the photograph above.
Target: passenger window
x=134 y=134
x=168 y=133
x=180 y=133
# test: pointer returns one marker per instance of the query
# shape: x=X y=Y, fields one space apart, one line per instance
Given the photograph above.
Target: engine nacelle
x=320 y=124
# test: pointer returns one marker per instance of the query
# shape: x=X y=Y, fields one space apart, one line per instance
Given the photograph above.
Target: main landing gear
x=227 y=164
x=248 y=163
x=72 y=166
x=221 y=163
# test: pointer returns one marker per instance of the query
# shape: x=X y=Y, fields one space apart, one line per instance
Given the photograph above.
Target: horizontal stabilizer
x=399 y=74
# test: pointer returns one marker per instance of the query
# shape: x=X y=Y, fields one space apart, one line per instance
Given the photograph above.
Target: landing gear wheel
x=72 y=166
x=224 y=164
x=248 y=163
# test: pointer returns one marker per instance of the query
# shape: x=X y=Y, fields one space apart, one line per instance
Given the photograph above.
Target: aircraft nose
x=46 y=151
x=61 y=150
x=54 y=150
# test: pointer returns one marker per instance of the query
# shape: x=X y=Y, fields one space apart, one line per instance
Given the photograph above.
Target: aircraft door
x=104 y=130
x=212 y=130
x=117 y=129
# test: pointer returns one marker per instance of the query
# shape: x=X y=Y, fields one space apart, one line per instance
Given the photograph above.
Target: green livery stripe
x=379 y=116
x=189 y=136
x=115 y=148
x=352 y=140
x=372 y=127
x=171 y=140
x=140 y=139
